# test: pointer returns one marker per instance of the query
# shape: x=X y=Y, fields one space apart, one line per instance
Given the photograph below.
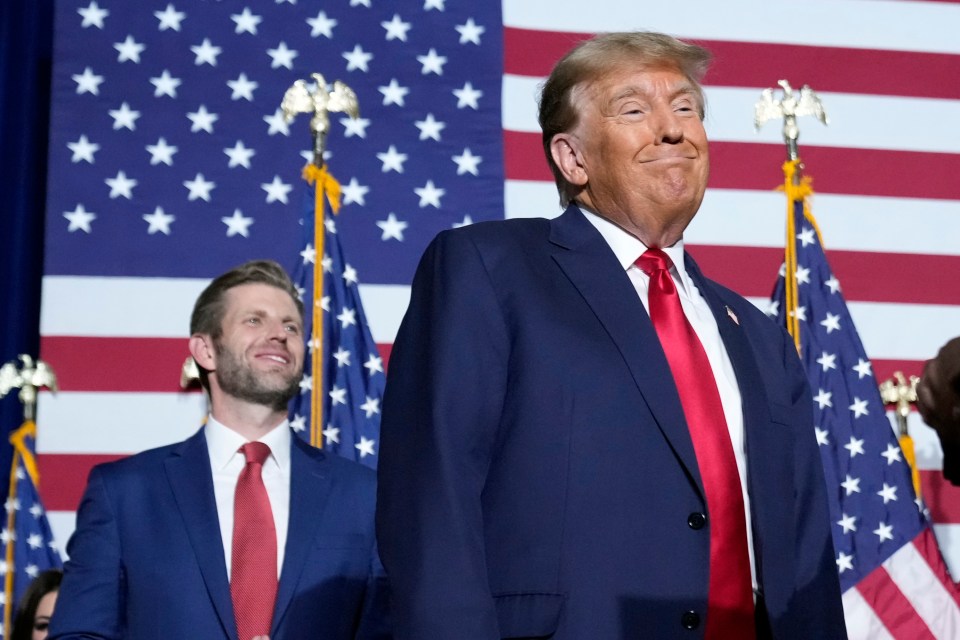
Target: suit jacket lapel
x=592 y=268
x=309 y=491
x=756 y=411
x=191 y=480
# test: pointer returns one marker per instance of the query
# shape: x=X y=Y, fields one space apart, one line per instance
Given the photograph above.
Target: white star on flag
x=321 y=25
x=396 y=28
x=83 y=150
x=357 y=59
x=199 y=187
x=393 y=93
x=282 y=56
x=159 y=221
x=470 y=31
x=202 y=120
x=365 y=447
x=206 y=53
x=129 y=50
x=169 y=18
x=277 y=190
x=88 y=82
x=161 y=153
x=79 y=219
x=237 y=224
x=246 y=22
x=92 y=15
x=239 y=155
x=392 y=227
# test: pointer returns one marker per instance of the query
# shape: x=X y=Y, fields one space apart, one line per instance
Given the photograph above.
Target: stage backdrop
x=169 y=163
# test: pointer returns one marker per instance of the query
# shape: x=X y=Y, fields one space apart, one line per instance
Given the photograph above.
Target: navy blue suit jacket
x=537 y=477
x=147 y=560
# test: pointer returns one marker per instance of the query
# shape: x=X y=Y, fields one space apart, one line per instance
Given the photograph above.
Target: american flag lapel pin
x=733 y=316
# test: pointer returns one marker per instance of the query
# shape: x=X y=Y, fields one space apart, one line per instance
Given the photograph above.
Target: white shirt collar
x=224 y=443
x=627 y=248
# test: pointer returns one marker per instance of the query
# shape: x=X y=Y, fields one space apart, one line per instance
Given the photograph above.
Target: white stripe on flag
x=862 y=622
x=126 y=422
x=74 y=306
x=874 y=319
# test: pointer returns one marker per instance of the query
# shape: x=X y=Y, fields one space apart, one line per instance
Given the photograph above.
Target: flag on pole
x=338 y=408
x=27 y=540
x=894 y=581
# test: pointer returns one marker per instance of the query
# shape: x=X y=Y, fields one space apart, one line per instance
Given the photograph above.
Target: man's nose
x=668 y=128
x=278 y=331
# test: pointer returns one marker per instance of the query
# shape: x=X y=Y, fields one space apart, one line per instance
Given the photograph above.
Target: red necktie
x=253 y=584
x=730 y=599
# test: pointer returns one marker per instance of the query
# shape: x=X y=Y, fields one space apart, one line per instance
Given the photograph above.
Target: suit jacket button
x=690 y=620
x=696 y=520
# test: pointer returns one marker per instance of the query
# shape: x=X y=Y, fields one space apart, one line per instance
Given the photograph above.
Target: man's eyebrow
x=632 y=90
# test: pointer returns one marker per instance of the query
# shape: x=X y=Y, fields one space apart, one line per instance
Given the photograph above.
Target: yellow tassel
x=910 y=455
x=327 y=188
x=21 y=452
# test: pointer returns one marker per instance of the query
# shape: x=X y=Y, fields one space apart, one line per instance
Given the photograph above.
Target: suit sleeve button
x=696 y=520
x=690 y=620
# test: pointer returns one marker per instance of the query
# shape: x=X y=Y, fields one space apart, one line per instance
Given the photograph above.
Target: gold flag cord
x=797 y=190
x=326 y=187
x=21 y=453
x=910 y=455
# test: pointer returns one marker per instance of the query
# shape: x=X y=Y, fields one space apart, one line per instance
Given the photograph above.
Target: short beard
x=237 y=380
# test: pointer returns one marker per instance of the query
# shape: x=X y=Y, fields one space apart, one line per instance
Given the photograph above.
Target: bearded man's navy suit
x=537 y=478
x=147 y=559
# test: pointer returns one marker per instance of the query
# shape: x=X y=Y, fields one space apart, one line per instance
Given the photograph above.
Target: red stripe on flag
x=901 y=174
x=892 y=607
x=884 y=369
x=752 y=271
x=533 y=53
x=123 y=364
x=941 y=497
x=63 y=478
x=115 y=364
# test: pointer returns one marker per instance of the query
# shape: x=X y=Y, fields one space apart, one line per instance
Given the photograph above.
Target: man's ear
x=565 y=149
x=202 y=350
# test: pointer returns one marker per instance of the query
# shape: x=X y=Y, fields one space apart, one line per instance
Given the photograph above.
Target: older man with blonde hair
x=583 y=437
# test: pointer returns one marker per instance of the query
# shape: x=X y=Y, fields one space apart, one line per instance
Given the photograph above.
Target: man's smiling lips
x=274 y=357
x=669 y=158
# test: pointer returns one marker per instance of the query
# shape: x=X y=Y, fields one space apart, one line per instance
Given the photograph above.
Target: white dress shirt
x=226 y=462
x=628 y=248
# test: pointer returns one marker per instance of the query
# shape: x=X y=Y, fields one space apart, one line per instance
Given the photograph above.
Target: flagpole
x=796 y=187
x=28 y=378
x=300 y=97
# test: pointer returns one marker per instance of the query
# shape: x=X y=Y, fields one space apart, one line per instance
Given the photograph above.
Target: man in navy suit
x=167 y=547
x=548 y=464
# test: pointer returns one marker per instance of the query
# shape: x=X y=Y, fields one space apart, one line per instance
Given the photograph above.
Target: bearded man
x=243 y=531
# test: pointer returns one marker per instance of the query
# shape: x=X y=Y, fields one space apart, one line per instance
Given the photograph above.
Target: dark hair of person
x=43 y=584
x=208 y=312
x=592 y=59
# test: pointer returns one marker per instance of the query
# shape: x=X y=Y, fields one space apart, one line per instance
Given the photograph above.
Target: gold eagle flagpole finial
x=317 y=99
x=901 y=392
x=790 y=106
x=31 y=376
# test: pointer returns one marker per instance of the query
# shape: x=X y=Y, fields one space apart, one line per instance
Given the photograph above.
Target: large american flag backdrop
x=169 y=164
